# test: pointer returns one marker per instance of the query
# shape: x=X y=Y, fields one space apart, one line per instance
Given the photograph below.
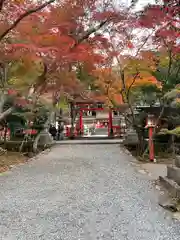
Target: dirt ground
x=9 y=159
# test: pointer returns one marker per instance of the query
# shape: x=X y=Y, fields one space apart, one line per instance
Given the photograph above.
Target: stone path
x=82 y=192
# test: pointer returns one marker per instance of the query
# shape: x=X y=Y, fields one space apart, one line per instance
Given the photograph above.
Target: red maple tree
x=61 y=35
x=164 y=19
x=66 y=34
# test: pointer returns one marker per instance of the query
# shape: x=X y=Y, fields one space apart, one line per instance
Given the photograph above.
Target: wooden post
x=151 y=144
x=150 y=125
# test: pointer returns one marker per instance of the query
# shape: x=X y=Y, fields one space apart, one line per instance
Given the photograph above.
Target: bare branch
x=89 y=32
x=133 y=81
x=133 y=3
x=24 y=15
x=6 y=113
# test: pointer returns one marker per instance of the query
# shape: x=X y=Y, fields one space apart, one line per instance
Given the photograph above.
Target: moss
x=175 y=131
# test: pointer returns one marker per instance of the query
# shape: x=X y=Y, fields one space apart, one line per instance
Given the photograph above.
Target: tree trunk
x=5 y=134
x=73 y=118
x=72 y=121
x=141 y=142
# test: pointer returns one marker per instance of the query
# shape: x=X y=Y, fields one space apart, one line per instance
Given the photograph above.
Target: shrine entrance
x=83 y=108
x=86 y=111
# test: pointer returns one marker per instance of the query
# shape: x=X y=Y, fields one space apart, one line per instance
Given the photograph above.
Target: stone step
x=89 y=142
x=171 y=186
x=173 y=173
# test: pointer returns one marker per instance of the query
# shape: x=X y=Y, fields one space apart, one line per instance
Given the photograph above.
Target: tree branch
x=89 y=32
x=24 y=15
x=1 y=4
x=6 y=113
x=133 y=3
x=129 y=88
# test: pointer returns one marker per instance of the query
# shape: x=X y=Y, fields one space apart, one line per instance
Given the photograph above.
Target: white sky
x=139 y=32
x=143 y=3
x=140 y=4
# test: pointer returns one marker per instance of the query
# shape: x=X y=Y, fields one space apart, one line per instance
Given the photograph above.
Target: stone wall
x=172 y=181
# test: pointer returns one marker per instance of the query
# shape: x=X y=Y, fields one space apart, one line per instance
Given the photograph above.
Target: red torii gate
x=89 y=105
x=84 y=108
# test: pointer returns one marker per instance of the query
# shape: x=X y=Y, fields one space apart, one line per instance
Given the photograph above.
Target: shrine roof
x=95 y=97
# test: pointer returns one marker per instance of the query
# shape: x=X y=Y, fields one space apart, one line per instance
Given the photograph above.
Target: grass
x=161 y=155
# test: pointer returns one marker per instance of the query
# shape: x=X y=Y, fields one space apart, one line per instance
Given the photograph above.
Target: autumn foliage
x=53 y=39
x=164 y=19
x=62 y=35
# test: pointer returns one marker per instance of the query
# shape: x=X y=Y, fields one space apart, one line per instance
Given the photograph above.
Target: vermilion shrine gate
x=78 y=107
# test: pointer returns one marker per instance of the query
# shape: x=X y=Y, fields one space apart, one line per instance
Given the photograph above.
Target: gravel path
x=83 y=192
